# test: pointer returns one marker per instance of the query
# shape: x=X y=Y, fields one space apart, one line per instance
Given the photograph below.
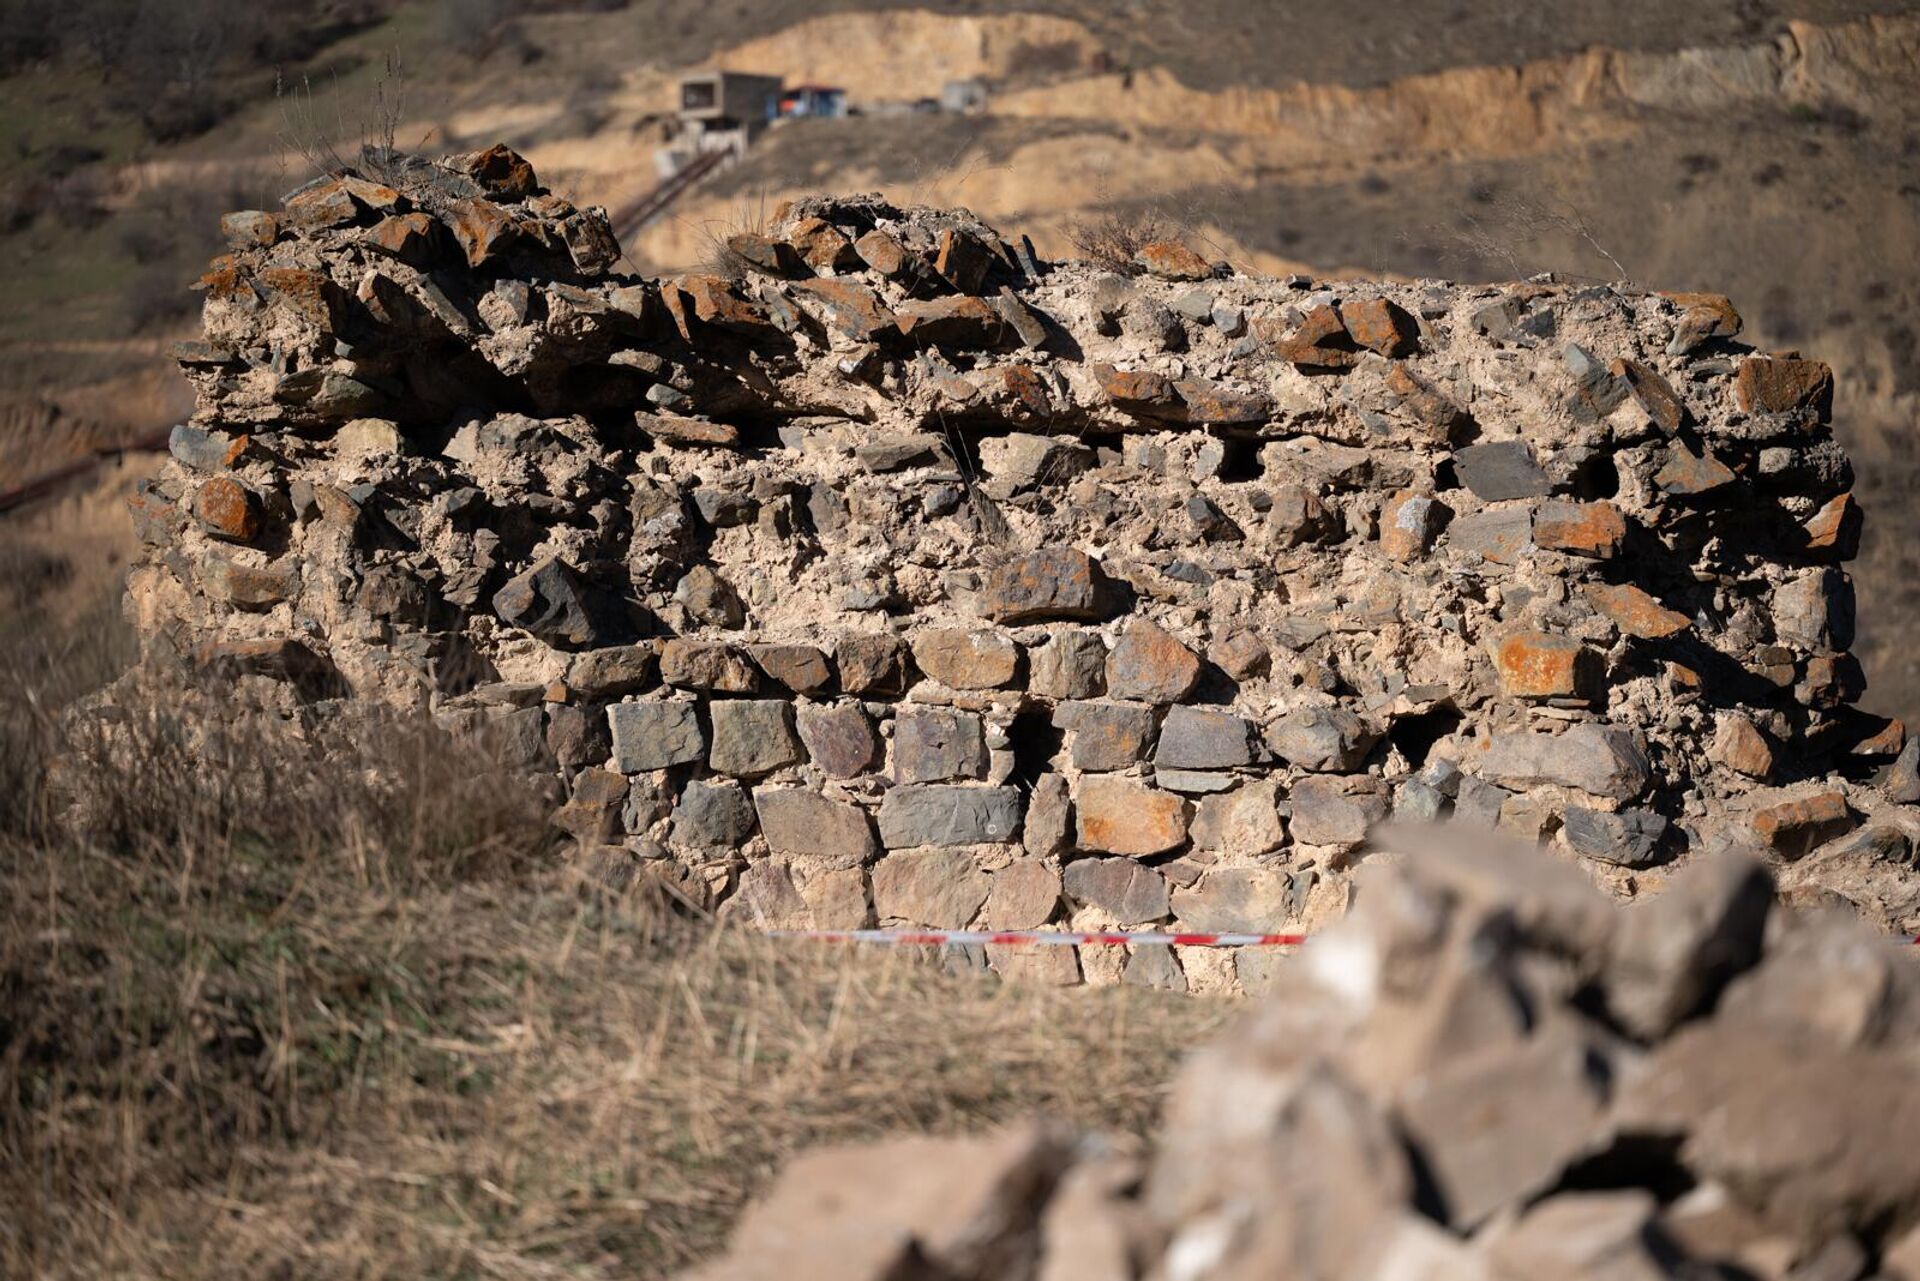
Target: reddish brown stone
x=962 y=260
x=960 y=658
x=1831 y=680
x=1739 y=745
x=1687 y=475
x=1793 y=828
x=247 y=586
x=882 y=252
x=1594 y=529
x=1652 y=392
x=309 y=295
x=249 y=228
x=1137 y=391
x=687 y=431
x=224 y=281
x=1410 y=522
x=1149 y=665
x=1024 y=895
x=852 y=308
x=801 y=668
x=870 y=663
x=1833 y=532
x=325 y=204
x=280 y=657
x=1635 y=612
x=1052 y=582
x=717 y=303
x=1172 y=260
x=227 y=509
x=1702 y=317
x=481 y=229
x=502 y=171
x=1320 y=342
x=590 y=241
x=1542 y=665
x=838 y=737
x=1885 y=739
x=377 y=196
x=958 y=321
x=763 y=254
x=704 y=665
x=1241 y=655
x=1382 y=325
x=408 y=237
x=592 y=811
x=1439 y=418
x=679 y=308
x=1022 y=392
x=1116 y=815
x=822 y=245
x=155 y=520
x=1209 y=402
x=1782 y=385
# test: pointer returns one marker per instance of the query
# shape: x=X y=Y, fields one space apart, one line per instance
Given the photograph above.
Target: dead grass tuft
x=357 y=1022
x=1115 y=237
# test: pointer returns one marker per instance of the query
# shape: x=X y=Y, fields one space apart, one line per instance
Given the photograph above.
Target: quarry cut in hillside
x=890 y=574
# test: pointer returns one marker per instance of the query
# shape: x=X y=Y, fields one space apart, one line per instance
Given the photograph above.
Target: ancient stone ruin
x=1487 y=1073
x=886 y=573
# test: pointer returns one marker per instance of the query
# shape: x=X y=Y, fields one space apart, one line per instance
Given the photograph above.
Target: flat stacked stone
x=944 y=563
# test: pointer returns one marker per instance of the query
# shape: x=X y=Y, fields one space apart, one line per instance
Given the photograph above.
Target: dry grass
x=1115 y=237
x=360 y=1023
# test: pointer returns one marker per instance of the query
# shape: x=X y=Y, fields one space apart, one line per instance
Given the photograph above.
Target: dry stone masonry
x=1488 y=1072
x=886 y=573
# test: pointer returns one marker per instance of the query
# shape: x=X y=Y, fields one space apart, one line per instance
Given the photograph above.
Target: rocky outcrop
x=888 y=567
x=1487 y=1072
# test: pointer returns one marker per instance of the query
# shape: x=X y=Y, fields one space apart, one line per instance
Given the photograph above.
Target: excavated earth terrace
x=887 y=574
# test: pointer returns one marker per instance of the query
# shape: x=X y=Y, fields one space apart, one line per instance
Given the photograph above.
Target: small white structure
x=963 y=97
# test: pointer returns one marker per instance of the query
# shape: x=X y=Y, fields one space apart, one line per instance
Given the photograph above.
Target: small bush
x=1113 y=238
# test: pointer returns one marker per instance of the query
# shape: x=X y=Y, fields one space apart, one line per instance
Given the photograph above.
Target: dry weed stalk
x=375 y=128
x=1115 y=237
x=1517 y=220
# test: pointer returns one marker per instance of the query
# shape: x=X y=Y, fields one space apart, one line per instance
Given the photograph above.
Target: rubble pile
x=1488 y=1072
x=888 y=574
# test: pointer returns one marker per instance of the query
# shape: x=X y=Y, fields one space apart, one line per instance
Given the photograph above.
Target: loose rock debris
x=893 y=576
x=1487 y=1072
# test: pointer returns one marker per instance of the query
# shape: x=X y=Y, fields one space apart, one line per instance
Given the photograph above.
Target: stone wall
x=889 y=575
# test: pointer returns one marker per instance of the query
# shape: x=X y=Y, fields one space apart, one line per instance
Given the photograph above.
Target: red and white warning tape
x=1045 y=938
x=1073 y=938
